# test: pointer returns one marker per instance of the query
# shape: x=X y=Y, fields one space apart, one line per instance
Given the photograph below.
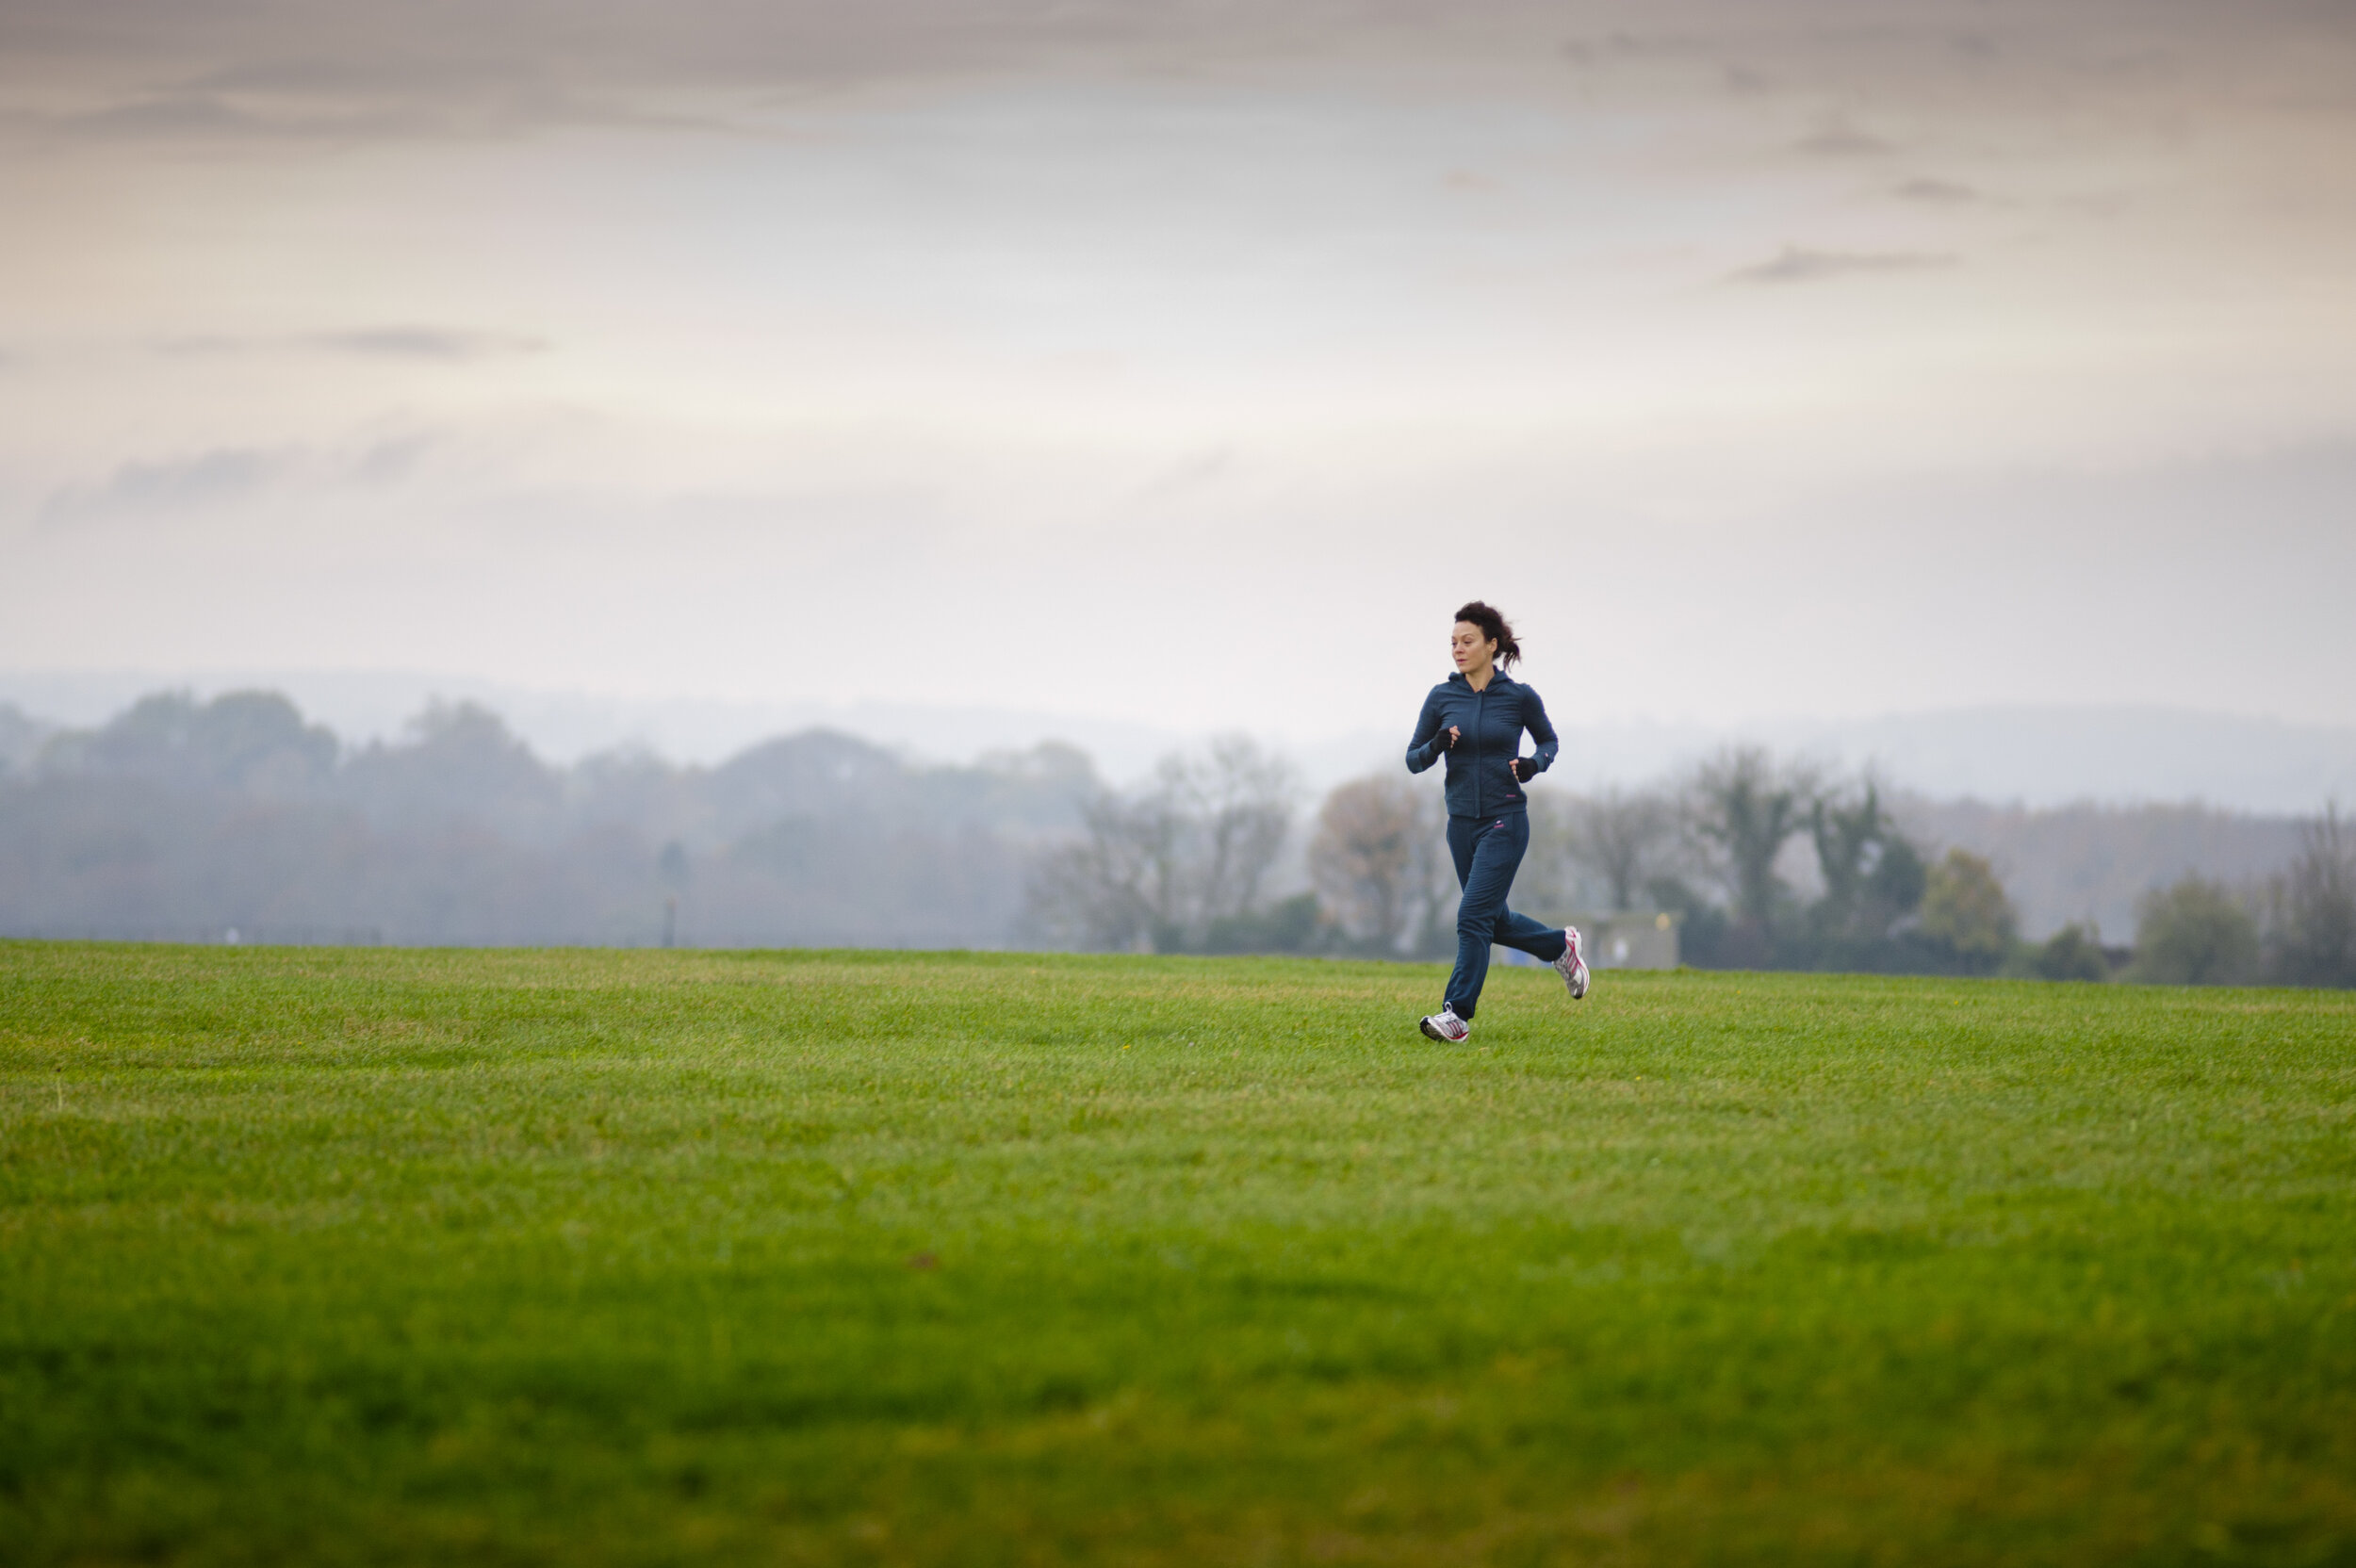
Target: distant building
x=1632 y=938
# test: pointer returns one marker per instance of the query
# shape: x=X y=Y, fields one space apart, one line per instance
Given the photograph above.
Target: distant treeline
x=189 y=820
x=192 y=820
x=1773 y=864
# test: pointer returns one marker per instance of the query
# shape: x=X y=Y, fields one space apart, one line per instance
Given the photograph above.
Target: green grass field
x=576 y=1257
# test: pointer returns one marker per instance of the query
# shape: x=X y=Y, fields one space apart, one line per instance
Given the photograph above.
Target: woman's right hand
x=1452 y=740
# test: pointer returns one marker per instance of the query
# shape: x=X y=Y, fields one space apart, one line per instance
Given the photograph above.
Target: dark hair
x=1493 y=626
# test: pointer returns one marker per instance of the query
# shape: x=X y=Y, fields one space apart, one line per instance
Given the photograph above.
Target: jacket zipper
x=1480 y=807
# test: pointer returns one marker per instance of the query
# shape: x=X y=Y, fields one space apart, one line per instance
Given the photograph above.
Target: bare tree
x=1552 y=877
x=1241 y=803
x=1363 y=856
x=1623 y=836
x=1156 y=866
x=1432 y=880
x=1379 y=859
x=1746 y=806
x=1115 y=887
x=2313 y=906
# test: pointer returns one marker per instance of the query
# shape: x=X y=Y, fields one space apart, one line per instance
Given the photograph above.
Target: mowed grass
x=579 y=1257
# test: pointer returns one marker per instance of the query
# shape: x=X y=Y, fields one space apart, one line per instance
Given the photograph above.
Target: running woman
x=1475 y=718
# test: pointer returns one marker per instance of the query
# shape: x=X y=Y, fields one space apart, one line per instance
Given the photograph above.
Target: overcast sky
x=1186 y=364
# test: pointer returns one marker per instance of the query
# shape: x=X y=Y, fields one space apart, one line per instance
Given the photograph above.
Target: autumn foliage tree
x=1965 y=912
x=1378 y=860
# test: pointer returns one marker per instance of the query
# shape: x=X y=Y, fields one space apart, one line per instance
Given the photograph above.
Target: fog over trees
x=187 y=820
x=237 y=819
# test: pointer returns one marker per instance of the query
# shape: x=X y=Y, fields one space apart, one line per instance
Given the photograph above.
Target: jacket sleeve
x=1424 y=748
x=1541 y=730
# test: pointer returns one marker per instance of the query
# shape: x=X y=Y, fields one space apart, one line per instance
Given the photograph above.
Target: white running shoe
x=1445 y=1025
x=1571 y=966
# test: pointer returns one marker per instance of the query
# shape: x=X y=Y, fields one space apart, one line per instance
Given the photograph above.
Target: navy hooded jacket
x=1491 y=721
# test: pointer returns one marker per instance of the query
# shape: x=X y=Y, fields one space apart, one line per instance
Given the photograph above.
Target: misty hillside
x=21 y=739
x=2094 y=862
x=185 y=820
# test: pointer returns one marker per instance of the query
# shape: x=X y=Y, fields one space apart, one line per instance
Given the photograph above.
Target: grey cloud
x=1797 y=264
x=204 y=116
x=158 y=487
x=172 y=114
x=208 y=479
x=200 y=345
x=425 y=343
x=389 y=461
x=438 y=344
x=342 y=68
x=1624 y=47
x=391 y=111
x=1943 y=191
x=1841 y=141
x=192 y=70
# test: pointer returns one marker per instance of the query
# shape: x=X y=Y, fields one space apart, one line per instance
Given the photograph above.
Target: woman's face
x=1472 y=648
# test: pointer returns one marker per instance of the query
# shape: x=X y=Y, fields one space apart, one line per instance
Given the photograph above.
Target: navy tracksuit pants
x=1488 y=851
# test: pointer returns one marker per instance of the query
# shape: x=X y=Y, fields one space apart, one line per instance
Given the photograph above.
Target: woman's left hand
x=1514 y=767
